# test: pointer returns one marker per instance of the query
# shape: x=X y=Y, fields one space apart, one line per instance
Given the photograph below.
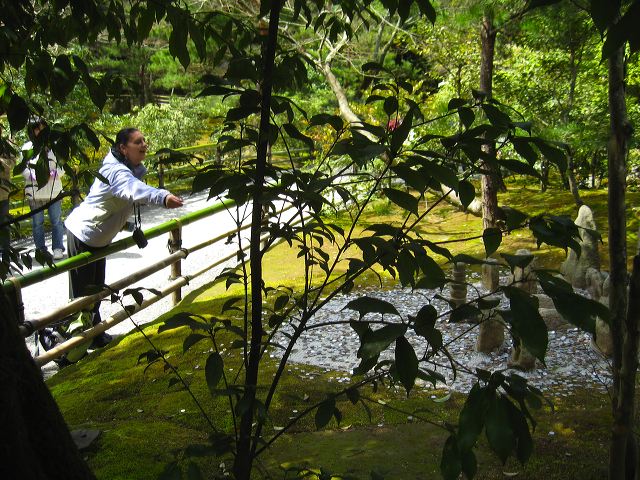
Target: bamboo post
x=175 y=244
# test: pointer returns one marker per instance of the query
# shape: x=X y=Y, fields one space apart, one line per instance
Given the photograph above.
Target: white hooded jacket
x=106 y=209
x=53 y=186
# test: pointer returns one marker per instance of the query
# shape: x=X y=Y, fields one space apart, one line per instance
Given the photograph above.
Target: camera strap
x=137 y=220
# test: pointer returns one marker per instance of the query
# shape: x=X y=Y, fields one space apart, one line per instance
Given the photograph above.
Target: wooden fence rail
x=14 y=285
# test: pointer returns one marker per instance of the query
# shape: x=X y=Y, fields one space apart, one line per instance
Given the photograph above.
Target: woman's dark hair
x=34 y=123
x=123 y=136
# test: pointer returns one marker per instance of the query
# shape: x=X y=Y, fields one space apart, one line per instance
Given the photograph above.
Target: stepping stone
x=84 y=438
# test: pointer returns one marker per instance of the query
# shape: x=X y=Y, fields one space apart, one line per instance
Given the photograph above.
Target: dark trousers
x=87 y=279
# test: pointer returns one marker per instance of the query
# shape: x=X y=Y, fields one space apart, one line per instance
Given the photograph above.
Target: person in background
x=93 y=224
x=39 y=197
x=7 y=162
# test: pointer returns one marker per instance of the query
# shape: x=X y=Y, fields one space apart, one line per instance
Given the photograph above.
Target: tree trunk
x=624 y=331
x=490 y=181
x=573 y=184
x=573 y=72
x=343 y=102
x=35 y=442
x=246 y=444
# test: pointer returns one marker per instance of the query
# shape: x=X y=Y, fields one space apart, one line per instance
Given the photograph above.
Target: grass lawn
x=147 y=422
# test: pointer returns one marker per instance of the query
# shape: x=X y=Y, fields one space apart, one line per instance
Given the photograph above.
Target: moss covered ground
x=147 y=423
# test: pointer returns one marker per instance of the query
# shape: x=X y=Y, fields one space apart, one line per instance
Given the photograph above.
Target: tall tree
x=623 y=455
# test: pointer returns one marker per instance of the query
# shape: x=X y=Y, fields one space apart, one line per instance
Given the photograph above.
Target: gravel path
x=571 y=362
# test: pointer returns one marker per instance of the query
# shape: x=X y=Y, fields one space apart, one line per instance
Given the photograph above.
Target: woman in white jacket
x=94 y=223
x=39 y=197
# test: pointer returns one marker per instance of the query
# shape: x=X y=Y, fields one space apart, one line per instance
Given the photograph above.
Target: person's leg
x=83 y=281
x=57 y=227
x=37 y=225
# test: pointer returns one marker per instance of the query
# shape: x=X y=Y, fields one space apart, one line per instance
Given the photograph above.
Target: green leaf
x=443 y=175
x=455 y=103
x=135 y=293
x=373 y=342
x=552 y=153
x=178 y=37
x=384 y=229
x=230 y=304
x=401 y=132
x=603 y=13
x=323 y=118
x=406 y=363
x=491 y=237
x=191 y=340
x=526 y=321
x=498 y=428
x=469 y=463
x=240 y=113
x=293 y=132
x=434 y=276
x=425 y=321
x=464 y=312
x=496 y=116
x=468 y=259
x=18 y=113
x=576 y=309
x=471 y=418
x=467 y=117
x=406 y=267
x=217 y=90
x=402 y=199
x=325 y=412
x=520 y=261
x=426 y=9
x=466 y=192
x=353 y=394
x=625 y=30
x=390 y=106
x=520 y=427
x=213 y=370
x=196 y=34
x=281 y=302
x=524 y=149
x=364 y=305
x=513 y=218
x=181 y=319
x=521 y=168
x=450 y=464
x=410 y=176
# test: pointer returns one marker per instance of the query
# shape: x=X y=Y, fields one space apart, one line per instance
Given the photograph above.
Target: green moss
x=146 y=423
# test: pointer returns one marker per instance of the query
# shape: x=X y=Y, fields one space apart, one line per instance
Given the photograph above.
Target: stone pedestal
x=459 y=287
x=520 y=357
x=490 y=275
x=598 y=288
x=490 y=333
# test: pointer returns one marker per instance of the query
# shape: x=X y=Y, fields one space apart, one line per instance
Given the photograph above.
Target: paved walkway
x=45 y=296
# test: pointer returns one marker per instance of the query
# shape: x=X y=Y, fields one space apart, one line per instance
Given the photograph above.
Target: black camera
x=139 y=238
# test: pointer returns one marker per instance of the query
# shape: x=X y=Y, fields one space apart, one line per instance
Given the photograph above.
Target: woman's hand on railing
x=172 y=201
